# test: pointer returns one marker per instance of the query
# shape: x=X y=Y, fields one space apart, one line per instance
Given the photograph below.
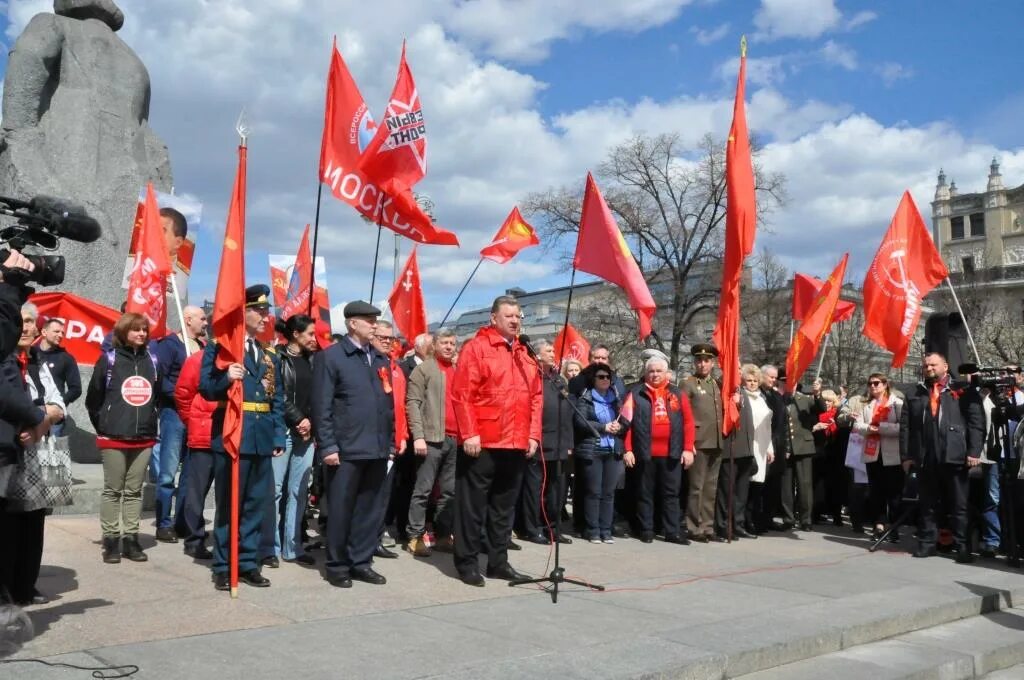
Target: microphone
x=524 y=340
x=66 y=219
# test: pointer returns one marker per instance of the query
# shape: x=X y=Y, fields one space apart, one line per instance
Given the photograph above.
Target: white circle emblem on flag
x=136 y=391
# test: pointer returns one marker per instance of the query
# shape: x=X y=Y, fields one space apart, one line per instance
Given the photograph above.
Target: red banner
x=815 y=326
x=86 y=323
x=513 y=235
x=576 y=346
x=147 y=286
x=406 y=300
x=805 y=290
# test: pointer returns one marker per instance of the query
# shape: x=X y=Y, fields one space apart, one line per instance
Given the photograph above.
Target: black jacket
x=293 y=415
x=556 y=419
x=640 y=427
x=16 y=409
x=352 y=413
x=64 y=370
x=777 y=403
x=586 y=442
x=109 y=409
x=958 y=433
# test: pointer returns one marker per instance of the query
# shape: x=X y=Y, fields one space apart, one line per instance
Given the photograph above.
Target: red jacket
x=398 y=395
x=497 y=392
x=195 y=412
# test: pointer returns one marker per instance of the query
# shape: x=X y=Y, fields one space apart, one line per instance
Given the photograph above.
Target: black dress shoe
x=925 y=551
x=200 y=552
x=717 y=538
x=512 y=545
x=964 y=556
x=38 y=598
x=254 y=578
x=222 y=581
x=564 y=540
x=303 y=559
x=647 y=537
x=166 y=535
x=368 y=575
x=384 y=553
x=539 y=539
x=505 y=573
x=473 y=579
x=678 y=540
x=271 y=562
x=702 y=538
x=806 y=526
x=340 y=582
x=740 y=532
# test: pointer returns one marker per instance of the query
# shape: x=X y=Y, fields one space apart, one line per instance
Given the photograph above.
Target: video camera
x=1000 y=383
x=42 y=221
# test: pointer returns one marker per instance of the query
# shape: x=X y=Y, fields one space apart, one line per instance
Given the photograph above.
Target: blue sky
x=856 y=101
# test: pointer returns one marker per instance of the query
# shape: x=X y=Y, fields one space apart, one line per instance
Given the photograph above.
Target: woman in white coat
x=879 y=425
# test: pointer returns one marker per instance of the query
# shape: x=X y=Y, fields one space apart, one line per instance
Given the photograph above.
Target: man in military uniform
x=801 y=416
x=263 y=436
x=705 y=395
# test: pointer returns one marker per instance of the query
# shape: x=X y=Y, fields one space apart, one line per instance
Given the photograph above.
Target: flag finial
x=242 y=127
x=743 y=46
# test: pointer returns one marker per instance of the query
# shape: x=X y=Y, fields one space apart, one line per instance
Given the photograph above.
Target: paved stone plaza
x=818 y=601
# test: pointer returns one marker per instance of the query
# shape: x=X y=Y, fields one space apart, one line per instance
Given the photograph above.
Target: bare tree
x=670 y=203
x=765 y=310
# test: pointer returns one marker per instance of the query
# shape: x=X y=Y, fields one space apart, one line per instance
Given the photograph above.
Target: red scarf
x=874 y=439
x=661 y=402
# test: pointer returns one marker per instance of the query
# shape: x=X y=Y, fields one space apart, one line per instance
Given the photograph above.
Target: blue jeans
x=282 y=533
x=990 y=506
x=168 y=455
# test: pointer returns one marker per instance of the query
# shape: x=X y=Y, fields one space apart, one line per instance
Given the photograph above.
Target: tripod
x=557 y=575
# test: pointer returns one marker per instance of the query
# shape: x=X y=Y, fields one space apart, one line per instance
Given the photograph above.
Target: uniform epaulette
x=270 y=349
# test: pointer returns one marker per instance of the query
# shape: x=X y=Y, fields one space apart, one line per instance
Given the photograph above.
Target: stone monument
x=75 y=126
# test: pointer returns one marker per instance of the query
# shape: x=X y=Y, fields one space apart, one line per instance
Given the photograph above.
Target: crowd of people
x=353 y=448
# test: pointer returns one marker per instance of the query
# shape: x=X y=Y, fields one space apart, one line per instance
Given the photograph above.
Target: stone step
x=975 y=647
x=1012 y=673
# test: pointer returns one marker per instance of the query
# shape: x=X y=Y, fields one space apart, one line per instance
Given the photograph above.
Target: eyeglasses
x=875 y=383
x=603 y=376
x=385 y=338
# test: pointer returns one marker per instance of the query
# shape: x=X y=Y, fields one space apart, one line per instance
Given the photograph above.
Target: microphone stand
x=557 y=574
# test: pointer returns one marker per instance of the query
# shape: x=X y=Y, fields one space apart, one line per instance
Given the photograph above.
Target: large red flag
x=905 y=269
x=147 y=285
x=602 y=251
x=513 y=235
x=297 y=297
x=740 y=228
x=348 y=129
x=576 y=346
x=815 y=325
x=228 y=323
x=396 y=158
x=406 y=300
x=805 y=290
x=86 y=323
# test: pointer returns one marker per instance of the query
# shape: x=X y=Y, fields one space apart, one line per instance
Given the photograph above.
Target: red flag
x=576 y=346
x=86 y=323
x=905 y=269
x=815 y=325
x=396 y=158
x=228 y=323
x=805 y=290
x=147 y=286
x=297 y=297
x=740 y=229
x=601 y=251
x=513 y=235
x=279 y=286
x=324 y=337
x=348 y=129
x=406 y=300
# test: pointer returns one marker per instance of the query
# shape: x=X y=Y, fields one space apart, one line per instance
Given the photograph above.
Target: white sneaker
x=596 y=541
x=608 y=541
x=387 y=540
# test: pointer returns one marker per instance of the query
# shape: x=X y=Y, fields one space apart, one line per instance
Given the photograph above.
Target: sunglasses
x=875 y=383
x=603 y=376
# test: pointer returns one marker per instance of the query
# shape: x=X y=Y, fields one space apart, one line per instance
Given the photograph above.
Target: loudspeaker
x=947 y=334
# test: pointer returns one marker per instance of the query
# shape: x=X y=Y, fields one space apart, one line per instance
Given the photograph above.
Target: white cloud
x=840 y=55
x=760 y=70
x=807 y=19
x=708 y=36
x=891 y=72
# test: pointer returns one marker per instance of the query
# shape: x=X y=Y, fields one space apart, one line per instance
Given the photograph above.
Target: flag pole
x=821 y=357
x=970 y=336
x=316 y=231
x=376 y=256
x=181 y=313
x=466 y=284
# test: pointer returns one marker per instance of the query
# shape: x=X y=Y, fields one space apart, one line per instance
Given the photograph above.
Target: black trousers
x=659 y=477
x=829 y=485
x=401 y=484
x=734 y=474
x=21 y=535
x=355 y=512
x=797 y=492
x=197 y=487
x=486 y=490
x=885 y=488
x=946 y=485
x=541 y=484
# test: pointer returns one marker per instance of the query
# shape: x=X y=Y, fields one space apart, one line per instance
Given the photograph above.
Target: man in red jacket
x=498 y=401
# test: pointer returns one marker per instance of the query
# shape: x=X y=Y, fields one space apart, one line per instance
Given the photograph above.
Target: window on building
x=978 y=224
x=967 y=265
x=956 y=227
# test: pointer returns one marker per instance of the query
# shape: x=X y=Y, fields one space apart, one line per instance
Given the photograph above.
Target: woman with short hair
x=121 y=406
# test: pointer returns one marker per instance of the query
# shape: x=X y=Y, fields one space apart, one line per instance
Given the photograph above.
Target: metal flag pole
x=821 y=357
x=181 y=313
x=316 y=232
x=970 y=336
x=376 y=256
x=466 y=285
